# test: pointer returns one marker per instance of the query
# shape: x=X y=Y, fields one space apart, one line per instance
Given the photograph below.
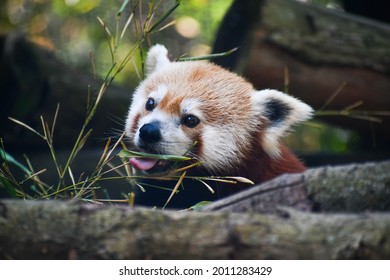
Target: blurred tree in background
x=70 y=28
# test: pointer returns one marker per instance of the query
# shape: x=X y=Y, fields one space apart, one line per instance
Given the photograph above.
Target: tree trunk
x=33 y=82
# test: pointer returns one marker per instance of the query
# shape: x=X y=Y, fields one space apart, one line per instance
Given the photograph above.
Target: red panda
x=237 y=129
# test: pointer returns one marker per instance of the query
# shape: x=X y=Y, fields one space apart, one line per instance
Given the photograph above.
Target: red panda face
x=182 y=103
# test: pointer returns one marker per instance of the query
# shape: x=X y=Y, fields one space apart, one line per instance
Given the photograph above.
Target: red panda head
x=180 y=103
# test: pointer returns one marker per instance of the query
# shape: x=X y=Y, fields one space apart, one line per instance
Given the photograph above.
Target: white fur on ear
x=282 y=112
x=156 y=59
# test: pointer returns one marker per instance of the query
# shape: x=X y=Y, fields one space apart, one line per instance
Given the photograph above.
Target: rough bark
x=347 y=188
x=63 y=230
x=48 y=229
x=311 y=31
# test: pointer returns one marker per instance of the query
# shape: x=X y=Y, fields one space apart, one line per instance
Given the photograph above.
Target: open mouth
x=150 y=165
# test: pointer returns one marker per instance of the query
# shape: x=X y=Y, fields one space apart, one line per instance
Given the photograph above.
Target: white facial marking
x=191 y=106
x=174 y=141
x=223 y=146
x=159 y=93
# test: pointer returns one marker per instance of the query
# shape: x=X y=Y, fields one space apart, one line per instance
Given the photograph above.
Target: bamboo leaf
x=84 y=140
x=134 y=154
x=357 y=114
x=10 y=159
x=125 y=27
x=240 y=179
x=122 y=8
x=199 y=205
x=109 y=38
x=208 y=186
x=353 y=105
x=119 y=141
x=26 y=126
x=54 y=121
x=163 y=17
x=187 y=167
x=206 y=57
x=32 y=176
x=104 y=154
x=9 y=187
x=167 y=25
x=71 y=176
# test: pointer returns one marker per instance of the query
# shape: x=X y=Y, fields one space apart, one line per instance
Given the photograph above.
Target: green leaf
x=240 y=179
x=206 y=57
x=8 y=187
x=164 y=16
x=10 y=159
x=199 y=205
x=133 y=154
x=122 y=8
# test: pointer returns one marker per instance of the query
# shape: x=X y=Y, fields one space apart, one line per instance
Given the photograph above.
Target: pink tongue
x=143 y=163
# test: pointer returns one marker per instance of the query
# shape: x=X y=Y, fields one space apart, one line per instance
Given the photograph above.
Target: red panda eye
x=190 y=121
x=150 y=104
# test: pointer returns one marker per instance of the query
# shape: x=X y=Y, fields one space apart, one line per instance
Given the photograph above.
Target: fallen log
x=73 y=230
x=63 y=230
x=345 y=188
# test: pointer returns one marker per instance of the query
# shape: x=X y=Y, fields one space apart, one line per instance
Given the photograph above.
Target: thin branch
x=333 y=96
x=206 y=57
x=175 y=188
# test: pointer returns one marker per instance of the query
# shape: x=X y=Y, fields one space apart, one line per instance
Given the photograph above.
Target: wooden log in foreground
x=344 y=188
x=63 y=230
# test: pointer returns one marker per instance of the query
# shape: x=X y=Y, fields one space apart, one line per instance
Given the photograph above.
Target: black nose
x=150 y=133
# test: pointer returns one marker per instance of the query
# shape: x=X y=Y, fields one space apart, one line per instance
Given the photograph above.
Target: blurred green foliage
x=313 y=137
x=70 y=28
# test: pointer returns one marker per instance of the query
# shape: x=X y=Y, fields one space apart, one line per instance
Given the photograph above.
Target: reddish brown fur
x=171 y=105
x=134 y=126
x=197 y=75
x=209 y=83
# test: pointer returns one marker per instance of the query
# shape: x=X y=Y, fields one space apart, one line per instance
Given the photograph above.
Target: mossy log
x=345 y=188
x=62 y=230
x=73 y=230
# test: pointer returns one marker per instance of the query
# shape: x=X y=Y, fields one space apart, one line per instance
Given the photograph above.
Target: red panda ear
x=281 y=112
x=156 y=59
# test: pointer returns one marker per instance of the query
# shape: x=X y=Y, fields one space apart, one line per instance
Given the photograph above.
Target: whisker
x=118 y=120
